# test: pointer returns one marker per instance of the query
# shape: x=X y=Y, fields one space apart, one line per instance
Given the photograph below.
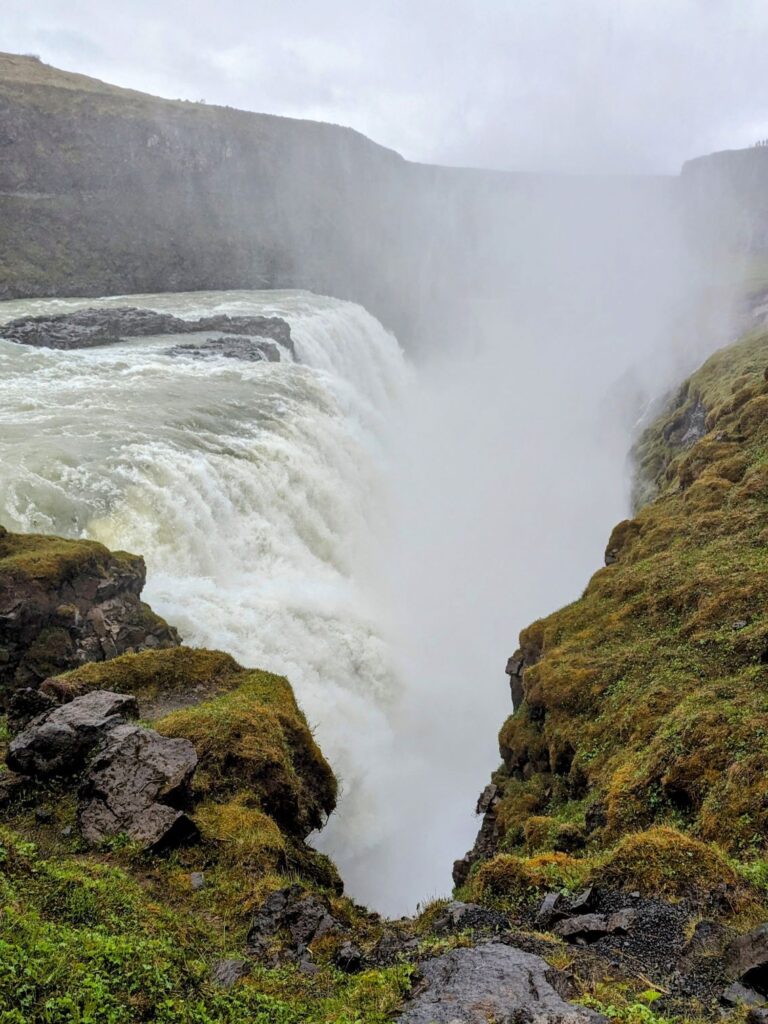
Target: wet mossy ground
x=644 y=721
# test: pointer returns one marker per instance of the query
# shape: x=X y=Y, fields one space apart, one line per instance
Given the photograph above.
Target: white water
x=253 y=491
x=377 y=532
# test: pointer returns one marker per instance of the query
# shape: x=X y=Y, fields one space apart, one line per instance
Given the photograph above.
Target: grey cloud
x=593 y=85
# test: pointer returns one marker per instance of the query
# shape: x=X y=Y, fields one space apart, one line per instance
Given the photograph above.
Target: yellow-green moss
x=52 y=559
x=150 y=674
x=255 y=737
x=649 y=694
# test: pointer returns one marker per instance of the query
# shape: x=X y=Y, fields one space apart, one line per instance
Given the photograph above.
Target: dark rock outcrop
x=58 y=742
x=747 y=959
x=304 y=916
x=88 y=328
x=63 y=603
x=491 y=982
x=136 y=786
x=249 y=350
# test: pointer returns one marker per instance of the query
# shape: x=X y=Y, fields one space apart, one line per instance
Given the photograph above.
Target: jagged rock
x=63 y=603
x=708 y=937
x=26 y=704
x=488 y=983
x=58 y=742
x=249 y=350
x=738 y=993
x=551 y=910
x=90 y=327
x=586 y=928
x=457 y=916
x=583 y=900
x=305 y=917
x=349 y=958
x=225 y=973
x=514 y=669
x=747 y=959
x=487 y=798
x=391 y=946
x=136 y=785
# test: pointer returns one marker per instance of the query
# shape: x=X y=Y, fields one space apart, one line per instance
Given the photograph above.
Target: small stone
x=550 y=910
x=43 y=815
x=583 y=900
x=197 y=880
x=739 y=993
x=349 y=958
x=226 y=972
x=67 y=831
x=584 y=928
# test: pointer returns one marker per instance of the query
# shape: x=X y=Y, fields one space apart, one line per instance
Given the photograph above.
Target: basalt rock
x=491 y=982
x=248 y=350
x=136 y=786
x=88 y=328
x=59 y=742
x=747 y=959
x=305 y=917
x=66 y=602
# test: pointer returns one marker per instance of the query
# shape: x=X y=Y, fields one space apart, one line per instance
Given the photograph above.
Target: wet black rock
x=490 y=982
x=747 y=959
x=138 y=785
x=63 y=603
x=26 y=704
x=588 y=928
x=349 y=958
x=249 y=350
x=59 y=741
x=87 y=328
x=305 y=917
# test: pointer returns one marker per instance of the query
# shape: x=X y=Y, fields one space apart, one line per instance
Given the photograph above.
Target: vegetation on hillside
x=641 y=745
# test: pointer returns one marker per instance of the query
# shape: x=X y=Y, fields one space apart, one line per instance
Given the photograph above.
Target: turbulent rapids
x=253 y=491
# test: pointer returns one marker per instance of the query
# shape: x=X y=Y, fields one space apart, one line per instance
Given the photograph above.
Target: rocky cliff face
x=63 y=603
x=636 y=756
x=109 y=191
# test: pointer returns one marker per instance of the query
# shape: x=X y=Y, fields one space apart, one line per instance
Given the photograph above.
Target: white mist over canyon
x=375 y=526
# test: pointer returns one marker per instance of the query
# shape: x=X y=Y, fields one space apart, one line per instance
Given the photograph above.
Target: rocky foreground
x=157 y=800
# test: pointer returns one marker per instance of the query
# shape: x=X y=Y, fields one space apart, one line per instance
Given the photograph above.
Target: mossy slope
x=646 y=701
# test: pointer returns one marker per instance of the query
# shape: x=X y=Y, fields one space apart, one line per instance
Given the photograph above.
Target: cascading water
x=252 y=489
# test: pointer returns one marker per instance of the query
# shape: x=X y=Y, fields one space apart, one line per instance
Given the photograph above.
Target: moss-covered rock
x=65 y=602
x=644 y=718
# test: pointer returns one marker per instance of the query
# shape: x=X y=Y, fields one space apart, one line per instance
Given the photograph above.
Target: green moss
x=664 y=862
x=648 y=696
x=52 y=559
x=254 y=736
x=151 y=674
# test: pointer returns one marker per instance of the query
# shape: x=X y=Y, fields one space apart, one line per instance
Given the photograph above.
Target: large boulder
x=58 y=742
x=67 y=602
x=489 y=983
x=137 y=785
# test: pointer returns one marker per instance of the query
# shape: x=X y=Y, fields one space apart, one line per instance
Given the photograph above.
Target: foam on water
x=252 y=490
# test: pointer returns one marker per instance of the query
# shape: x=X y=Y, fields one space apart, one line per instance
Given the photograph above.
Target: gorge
x=424 y=452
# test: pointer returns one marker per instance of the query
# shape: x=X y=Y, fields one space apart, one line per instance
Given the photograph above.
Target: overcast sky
x=576 y=85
